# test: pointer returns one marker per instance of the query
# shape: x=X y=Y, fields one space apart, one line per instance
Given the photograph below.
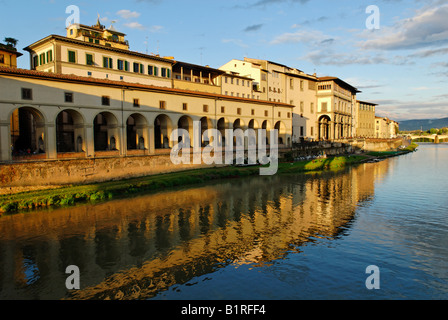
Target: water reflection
x=139 y=247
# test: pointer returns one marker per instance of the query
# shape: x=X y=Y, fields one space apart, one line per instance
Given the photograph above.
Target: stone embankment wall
x=43 y=174
x=36 y=175
x=348 y=146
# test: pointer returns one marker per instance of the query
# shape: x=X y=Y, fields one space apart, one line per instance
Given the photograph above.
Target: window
x=223 y=109
x=136 y=67
x=27 y=94
x=324 y=107
x=49 y=56
x=162 y=105
x=150 y=70
x=107 y=62
x=312 y=107
x=291 y=84
x=120 y=64
x=238 y=111
x=89 y=73
x=35 y=61
x=142 y=68
x=205 y=108
x=279 y=114
x=263 y=76
x=289 y=114
x=301 y=106
x=72 y=56
x=2 y=58
x=266 y=113
x=68 y=97
x=312 y=131
x=105 y=101
x=301 y=131
x=164 y=72
x=89 y=59
x=126 y=66
x=252 y=112
x=156 y=71
x=184 y=106
x=301 y=85
x=42 y=59
x=136 y=103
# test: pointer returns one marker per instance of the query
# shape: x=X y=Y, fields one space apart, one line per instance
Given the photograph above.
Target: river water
x=282 y=238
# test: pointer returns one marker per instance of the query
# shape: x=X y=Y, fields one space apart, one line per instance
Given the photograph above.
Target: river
x=288 y=237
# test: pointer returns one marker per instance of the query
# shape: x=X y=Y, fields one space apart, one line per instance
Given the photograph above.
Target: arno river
x=282 y=237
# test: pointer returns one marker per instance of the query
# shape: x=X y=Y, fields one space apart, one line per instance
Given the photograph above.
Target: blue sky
x=402 y=66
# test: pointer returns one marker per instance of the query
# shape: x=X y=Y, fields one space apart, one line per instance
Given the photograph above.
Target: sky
x=401 y=64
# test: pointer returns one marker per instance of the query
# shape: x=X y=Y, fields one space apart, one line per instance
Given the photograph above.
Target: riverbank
x=91 y=193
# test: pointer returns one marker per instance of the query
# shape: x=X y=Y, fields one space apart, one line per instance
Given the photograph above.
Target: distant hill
x=424 y=124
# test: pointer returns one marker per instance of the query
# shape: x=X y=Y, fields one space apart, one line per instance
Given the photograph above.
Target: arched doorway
x=324 y=127
x=136 y=132
x=221 y=126
x=185 y=123
x=162 y=131
x=266 y=126
x=281 y=130
x=205 y=125
x=27 y=131
x=253 y=139
x=105 y=132
x=69 y=132
x=238 y=136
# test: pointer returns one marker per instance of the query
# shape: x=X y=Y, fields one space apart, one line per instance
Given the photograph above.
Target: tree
x=11 y=42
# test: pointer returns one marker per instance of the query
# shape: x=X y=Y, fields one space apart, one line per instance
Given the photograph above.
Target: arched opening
x=105 y=132
x=27 y=132
x=221 y=126
x=136 y=132
x=253 y=139
x=186 y=123
x=281 y=129
x=238 y=140
x=205 y=125
x=324 y=127
x=69 y=132
x=162 y=132
x=266 y=126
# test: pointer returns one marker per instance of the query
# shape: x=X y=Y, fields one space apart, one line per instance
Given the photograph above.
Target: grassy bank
x=71 y=195
x=385 y=154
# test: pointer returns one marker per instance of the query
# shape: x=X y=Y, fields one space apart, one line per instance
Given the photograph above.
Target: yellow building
x=279 y=83
x=98 y=53
x=8 y=56
x=366 y=119
x=336 y=109
x=382 y=130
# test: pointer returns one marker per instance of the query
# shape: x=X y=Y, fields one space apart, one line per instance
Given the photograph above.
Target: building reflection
x=138 y=247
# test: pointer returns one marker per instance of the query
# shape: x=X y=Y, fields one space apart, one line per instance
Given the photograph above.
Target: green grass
x=71 y=195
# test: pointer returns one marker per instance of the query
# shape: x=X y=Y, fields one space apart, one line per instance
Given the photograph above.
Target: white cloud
x=310 y=37
x=134 y=25
x=428 y=27
x=127 y=14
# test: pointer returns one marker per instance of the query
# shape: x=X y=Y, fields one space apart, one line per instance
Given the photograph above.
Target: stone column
x=151 y=141
x=50 y=141
x=89 y=140
x=5 y=141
